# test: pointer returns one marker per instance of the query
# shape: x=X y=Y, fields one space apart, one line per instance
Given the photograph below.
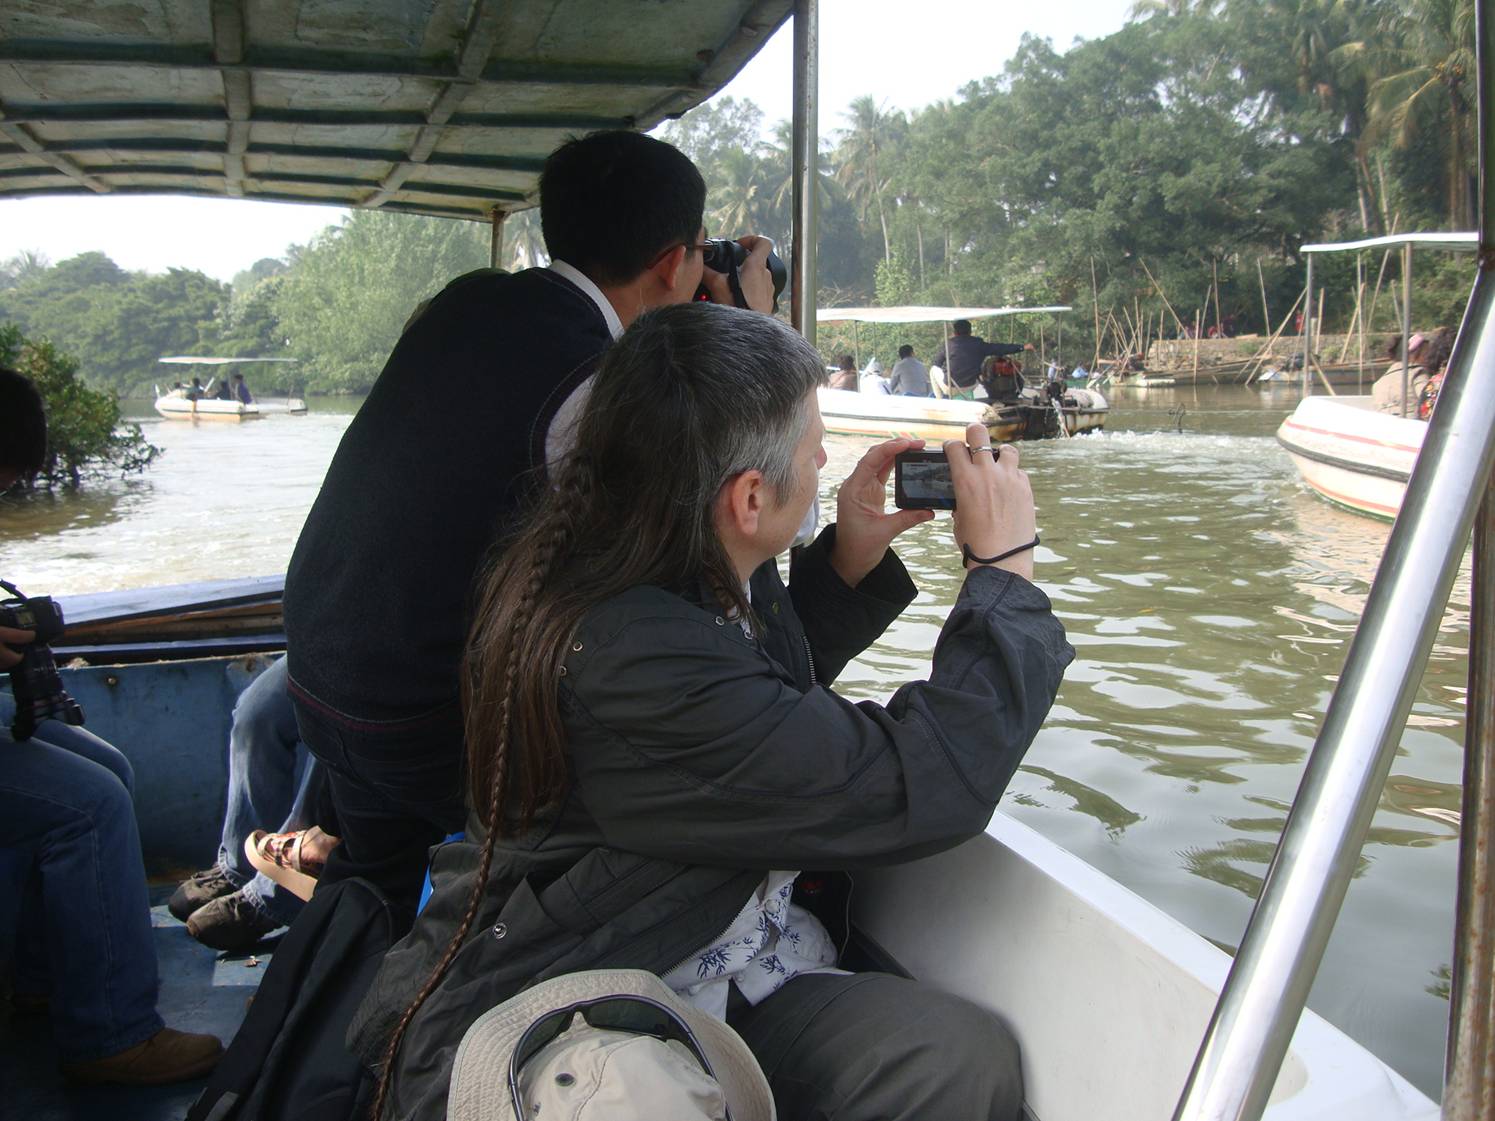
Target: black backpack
x=288 y=1061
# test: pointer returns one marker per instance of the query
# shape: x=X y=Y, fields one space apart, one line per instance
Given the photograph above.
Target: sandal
x=292 y=860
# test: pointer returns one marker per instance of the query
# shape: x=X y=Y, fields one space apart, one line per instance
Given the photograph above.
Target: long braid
x=547 y=546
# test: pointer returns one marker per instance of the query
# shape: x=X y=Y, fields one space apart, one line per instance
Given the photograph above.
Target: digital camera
x=34 y=681
x=726 y=256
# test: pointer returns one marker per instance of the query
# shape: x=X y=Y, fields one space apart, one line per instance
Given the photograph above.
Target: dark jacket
x=701 y=759
x=435 y=464
x=962 y=355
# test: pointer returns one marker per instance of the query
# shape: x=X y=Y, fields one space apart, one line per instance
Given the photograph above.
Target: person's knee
x=973 y=1041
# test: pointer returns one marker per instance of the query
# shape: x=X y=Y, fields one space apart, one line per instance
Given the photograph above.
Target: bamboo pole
x=1215 y=273
x=1161 y=294
x=1095 y=303
x=1198 y=317
x=1266 y=316
x=1265 y=352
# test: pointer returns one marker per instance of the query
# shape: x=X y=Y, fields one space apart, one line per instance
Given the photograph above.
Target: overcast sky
x=905 y=55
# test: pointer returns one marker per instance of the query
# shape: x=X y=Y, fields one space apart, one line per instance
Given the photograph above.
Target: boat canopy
x=431 y=108
x=1456 y=242
x=912 y=314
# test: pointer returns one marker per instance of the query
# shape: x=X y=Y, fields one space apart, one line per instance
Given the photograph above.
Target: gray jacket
x=703 y=758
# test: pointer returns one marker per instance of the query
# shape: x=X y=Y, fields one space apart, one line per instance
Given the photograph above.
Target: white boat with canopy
x=184 y=403
x=1347 y=450
x=1035 y=415
x=448 y=110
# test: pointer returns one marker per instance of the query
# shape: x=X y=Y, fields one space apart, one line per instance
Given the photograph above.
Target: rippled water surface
x=1211 y=600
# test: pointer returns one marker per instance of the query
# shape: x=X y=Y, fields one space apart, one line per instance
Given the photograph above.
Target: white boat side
x=181 y=408
x=1107 y=995
x=1351 y=453
x=884 y=415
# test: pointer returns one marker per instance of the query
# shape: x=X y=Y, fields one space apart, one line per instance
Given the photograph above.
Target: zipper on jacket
x=810 y=658
x=710 y=942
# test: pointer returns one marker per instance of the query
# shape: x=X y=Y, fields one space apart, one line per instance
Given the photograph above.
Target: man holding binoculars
x=482 y=390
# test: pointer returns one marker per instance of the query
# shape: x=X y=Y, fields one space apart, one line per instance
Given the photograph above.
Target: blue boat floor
x=201 y=991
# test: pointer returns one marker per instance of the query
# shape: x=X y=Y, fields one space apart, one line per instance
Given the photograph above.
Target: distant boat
x=935 y=419
x=1352 y=454
x=178 y=403
x=175 y=404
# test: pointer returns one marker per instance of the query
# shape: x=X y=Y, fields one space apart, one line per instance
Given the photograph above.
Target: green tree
x=861 y=156
x=1425 y=85
x=348 y=295
x=84 y=434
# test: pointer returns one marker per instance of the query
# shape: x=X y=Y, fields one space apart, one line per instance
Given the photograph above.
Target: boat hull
x=1078 y=960
x=179 y=408
x=934 y=420
x=1352 y=455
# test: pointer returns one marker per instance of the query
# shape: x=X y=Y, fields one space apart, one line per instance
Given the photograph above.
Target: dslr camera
x=726 y=256
x=34 y=681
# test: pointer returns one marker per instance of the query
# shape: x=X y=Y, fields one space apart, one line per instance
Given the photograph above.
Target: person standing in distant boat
x=241 y=391
x=963 y=353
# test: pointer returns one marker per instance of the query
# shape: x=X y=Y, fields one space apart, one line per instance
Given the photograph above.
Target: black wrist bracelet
x=967 y=556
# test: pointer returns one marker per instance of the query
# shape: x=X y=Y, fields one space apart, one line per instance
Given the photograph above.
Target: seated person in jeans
x=67 y=827
x=657 y=765
x=271 y=780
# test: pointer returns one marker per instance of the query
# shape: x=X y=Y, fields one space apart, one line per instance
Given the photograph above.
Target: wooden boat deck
x=201 y=991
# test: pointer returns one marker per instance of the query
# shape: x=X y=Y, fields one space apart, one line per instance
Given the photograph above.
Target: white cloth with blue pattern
x=771 y=941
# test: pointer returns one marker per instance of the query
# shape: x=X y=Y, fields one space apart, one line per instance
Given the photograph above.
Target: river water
x=1210 y=597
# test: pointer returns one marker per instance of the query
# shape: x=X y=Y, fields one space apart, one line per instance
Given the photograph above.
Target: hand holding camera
x=26 y=626
x=989 y=493
x=744 y=273
x=864 y=529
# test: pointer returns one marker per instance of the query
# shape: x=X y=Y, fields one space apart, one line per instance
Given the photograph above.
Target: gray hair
x=725 y=390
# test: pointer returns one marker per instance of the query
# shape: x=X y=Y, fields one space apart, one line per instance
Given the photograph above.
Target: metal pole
x=1406 y=322
x=1269 y=981
x=496 y=238
x=1469 y=1075
x=1469 y=1078
x=1308 y=331
x=806 y=144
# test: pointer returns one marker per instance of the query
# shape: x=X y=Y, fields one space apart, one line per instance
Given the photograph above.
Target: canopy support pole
x=1406 y=323
x=1308 y=332
x=805 y=143
x=1469 y=1080
x=496 y=237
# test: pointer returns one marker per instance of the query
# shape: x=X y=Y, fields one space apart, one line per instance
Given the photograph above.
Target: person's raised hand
x=993 y=501
x=864 y=528
x=11 y=637
x=752 y=275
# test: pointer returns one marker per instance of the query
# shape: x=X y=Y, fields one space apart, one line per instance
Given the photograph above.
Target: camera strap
x=735 y=284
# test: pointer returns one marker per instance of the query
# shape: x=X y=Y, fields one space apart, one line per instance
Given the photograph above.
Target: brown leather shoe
x=230 y=923
x=167 y=1056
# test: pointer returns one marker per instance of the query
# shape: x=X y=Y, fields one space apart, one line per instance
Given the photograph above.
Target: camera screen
x=927 y=482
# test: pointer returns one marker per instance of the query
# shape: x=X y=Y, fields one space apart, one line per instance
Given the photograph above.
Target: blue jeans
x=271 y=783
x=78 y=906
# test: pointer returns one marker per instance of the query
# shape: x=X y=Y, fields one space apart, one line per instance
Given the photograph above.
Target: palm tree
x=871 y=131
x=1426 y=70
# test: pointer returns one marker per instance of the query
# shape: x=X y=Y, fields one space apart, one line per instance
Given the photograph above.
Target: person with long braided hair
x=656 y=762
